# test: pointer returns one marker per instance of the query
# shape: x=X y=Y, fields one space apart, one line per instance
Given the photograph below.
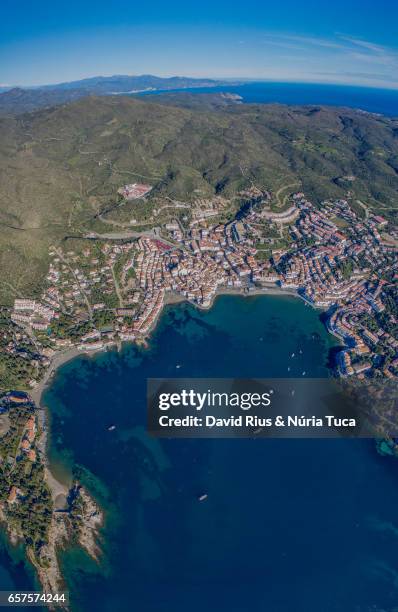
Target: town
x=102 y=292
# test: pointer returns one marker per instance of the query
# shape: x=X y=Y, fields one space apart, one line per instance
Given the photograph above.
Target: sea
x=288 y=525
x=383 y=101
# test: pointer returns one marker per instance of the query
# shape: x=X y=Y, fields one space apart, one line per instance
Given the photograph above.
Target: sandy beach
x=56 y=361
x=59 y=490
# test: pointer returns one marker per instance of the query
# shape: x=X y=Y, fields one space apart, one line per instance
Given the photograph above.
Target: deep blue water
x=383 y=101
x=289 y=525
x=14 y=575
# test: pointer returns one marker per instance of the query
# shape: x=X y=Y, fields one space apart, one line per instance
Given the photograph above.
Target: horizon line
x=385 y=86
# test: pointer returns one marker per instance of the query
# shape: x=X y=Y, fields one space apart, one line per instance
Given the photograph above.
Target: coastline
x=193 y=477
x=56 y=361
x=63 y=356
x=272 y=289
x=60 y=487
x=93 y=517
x=83 y=527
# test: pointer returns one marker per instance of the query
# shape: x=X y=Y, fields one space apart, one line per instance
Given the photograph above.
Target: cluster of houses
x=134 y=191
x=205 y=209
x=195 y=263
x=204 y=261
x=26 y=437
x=33 y=313
x=194 y=267
x=29 y=438
x=315 y=268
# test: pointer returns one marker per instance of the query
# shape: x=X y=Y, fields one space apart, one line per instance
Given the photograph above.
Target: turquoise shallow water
x=303 y=525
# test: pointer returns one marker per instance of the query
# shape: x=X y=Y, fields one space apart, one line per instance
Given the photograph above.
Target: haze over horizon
x=347 y=43
x=226 y=80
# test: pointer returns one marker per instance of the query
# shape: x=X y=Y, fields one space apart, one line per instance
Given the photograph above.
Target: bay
x=302 y=525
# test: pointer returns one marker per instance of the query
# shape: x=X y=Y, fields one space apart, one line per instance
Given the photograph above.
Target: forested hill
x=60 y=167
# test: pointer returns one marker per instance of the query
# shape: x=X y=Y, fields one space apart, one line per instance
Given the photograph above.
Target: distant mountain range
x=128 y=84
x=17 y=100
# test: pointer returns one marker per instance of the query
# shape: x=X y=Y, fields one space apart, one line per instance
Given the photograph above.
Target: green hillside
x=60 y=167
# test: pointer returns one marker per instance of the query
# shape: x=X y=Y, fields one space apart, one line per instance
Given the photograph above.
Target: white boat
x=112 y=427
x=202 y=497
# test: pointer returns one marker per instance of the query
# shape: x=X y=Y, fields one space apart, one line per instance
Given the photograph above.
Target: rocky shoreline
x=82 y=528
x=68 y=513
x=80 y=524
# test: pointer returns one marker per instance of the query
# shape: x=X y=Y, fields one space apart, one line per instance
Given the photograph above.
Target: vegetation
x=60 y=167
x=346 y=268
x=32 y=515
x=29 y=515
x=19 y=360
x=17 y=100
x=14 y=371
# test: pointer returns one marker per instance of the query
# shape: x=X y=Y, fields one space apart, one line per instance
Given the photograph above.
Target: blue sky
x=351 y=41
